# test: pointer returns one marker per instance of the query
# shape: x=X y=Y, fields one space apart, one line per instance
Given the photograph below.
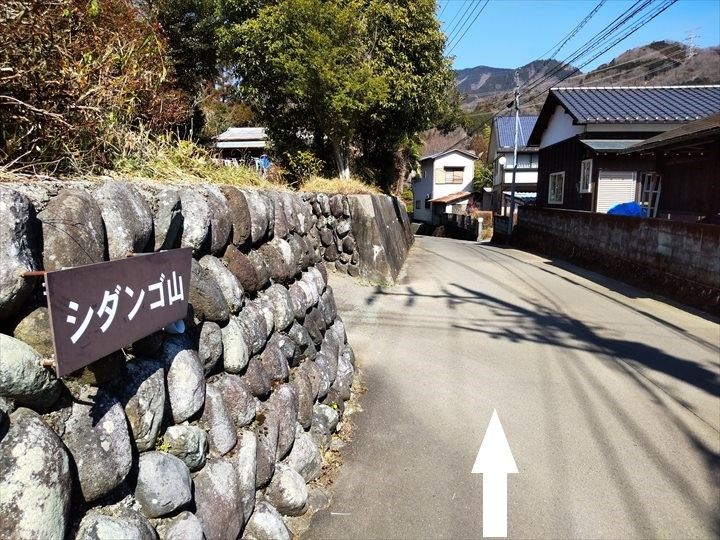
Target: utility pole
x=517 y=131
x=691 y=40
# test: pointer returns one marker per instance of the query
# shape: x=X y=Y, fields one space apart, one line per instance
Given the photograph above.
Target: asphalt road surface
x=608 y=397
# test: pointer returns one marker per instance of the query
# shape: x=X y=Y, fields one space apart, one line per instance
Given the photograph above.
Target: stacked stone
x=335 y=241
x=213 y=433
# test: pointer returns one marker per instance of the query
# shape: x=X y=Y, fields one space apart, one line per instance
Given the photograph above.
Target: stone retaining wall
x=676 y=259
x=214 y=432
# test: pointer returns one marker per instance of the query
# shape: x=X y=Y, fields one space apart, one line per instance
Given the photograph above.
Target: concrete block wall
x=676 y=259
x=214 y=433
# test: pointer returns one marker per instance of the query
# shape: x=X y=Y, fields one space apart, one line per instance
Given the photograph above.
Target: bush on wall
x=76 y=75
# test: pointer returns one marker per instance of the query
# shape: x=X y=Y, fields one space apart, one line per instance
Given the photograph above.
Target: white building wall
x=521 y=177
x=428 y=187
x=422 y=190
x=453 y=160
x=559 y=128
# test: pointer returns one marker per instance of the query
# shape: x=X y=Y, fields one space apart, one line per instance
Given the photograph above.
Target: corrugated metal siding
x=505 y=128
x=615 y=187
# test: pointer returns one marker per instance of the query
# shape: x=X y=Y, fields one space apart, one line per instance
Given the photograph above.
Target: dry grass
x=353 y=186
x=167 y=159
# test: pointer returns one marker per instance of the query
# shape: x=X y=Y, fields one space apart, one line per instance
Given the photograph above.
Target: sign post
x=100 y=308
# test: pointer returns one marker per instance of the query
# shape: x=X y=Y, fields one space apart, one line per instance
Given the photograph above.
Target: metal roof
x=453 y=197
x=440 y=154
x=243 y=134
x=705 y=129
x=505 y=129
x=647 y=104
x=609 y=145
x=527 y=197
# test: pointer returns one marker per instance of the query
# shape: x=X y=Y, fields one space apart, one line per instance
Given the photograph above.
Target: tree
x=482 y=177
x=363 y=77
x=190 y=27
x=407 y=42
x=306 y=68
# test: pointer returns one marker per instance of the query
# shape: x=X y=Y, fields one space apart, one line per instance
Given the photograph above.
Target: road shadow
x=545 y=322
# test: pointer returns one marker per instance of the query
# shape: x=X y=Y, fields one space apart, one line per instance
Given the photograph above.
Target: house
x=583 y=132
x=684 y=181
x=236 y=144
x=445 y=184
x=500 y=154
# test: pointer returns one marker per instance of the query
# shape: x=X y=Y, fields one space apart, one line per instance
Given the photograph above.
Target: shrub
x=73 y=74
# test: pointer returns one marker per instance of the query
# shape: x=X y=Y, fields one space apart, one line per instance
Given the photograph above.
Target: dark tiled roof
x=645 y=104
x=629 y=105
x=706 y=128
x=505 y=129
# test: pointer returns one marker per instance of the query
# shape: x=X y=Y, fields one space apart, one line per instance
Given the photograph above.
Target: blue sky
x=511 y=33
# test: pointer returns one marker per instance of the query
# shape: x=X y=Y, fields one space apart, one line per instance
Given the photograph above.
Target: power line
x=452 y=34
x=677 y=56
x=457 y=42
x=560 y=44
x=447 y=2
x=634 y=29
x=455 y=17
x=594 y=41
x=579 y=27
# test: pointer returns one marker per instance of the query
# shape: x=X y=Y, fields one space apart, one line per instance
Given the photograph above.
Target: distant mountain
x=658 y=63
x=483 y=82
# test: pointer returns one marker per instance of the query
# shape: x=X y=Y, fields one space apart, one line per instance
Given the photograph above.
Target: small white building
x=444 y=186
x=236 y=144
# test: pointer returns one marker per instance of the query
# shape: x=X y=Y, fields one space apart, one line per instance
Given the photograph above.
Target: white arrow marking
x=494 y=461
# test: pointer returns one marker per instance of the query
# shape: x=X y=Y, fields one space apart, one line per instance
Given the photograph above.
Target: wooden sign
x=100 y=308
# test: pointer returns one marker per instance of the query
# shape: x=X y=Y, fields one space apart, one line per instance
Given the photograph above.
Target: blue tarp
x=632 y=209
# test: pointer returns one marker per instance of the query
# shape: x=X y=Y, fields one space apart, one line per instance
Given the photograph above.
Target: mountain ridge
x=662 y=62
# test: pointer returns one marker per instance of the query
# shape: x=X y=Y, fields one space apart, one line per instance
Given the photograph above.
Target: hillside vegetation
x=136 y=86
x=663 y=62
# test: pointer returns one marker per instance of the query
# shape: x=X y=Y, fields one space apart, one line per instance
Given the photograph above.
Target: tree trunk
x=341 y=160
x=399 y=165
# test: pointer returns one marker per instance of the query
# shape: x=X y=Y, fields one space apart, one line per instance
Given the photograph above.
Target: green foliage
x=305 y=67
x=303 y=164
x=190 y=27
x=482 y=177
x=220 y=115
x=161 y=445
x=363 y=76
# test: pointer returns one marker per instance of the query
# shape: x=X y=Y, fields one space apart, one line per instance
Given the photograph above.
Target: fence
x=677 y=259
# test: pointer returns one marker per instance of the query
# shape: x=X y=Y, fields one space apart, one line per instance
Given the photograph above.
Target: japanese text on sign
x=100 y=308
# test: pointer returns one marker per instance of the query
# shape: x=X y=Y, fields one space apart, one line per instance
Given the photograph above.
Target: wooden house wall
x=690 y=184
x=563 y=156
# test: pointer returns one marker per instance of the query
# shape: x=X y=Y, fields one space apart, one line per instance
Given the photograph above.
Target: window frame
x=453 y=170
x=583 y=164
x=558 y=174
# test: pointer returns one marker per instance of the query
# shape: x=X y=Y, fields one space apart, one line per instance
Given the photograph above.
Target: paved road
x=609 y=400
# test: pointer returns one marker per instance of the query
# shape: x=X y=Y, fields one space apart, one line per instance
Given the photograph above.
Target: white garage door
x=614 y=188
